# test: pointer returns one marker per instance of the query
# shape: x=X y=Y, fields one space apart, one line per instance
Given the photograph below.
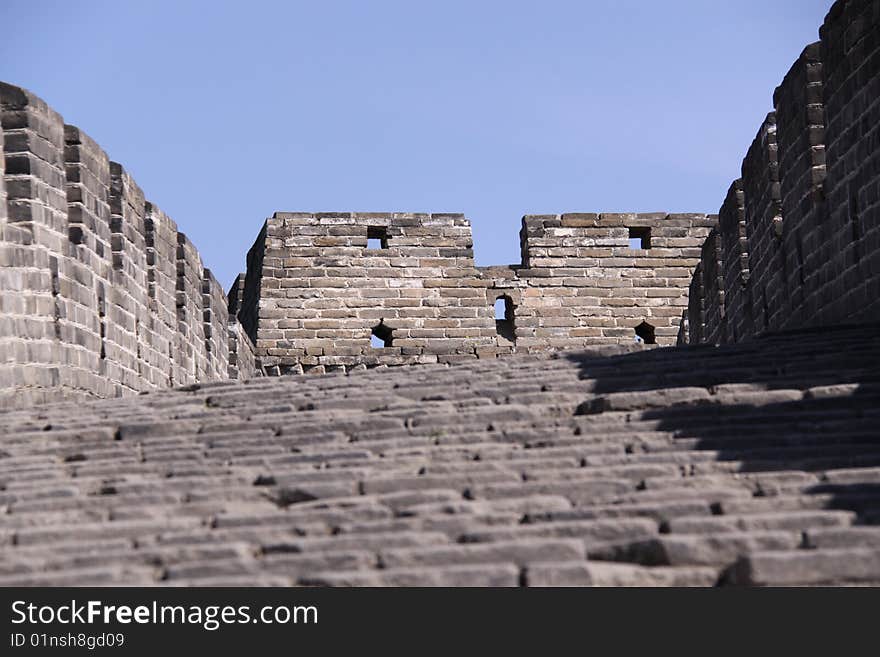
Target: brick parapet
x=811 y=190
x=320 y=284
x=88 y=272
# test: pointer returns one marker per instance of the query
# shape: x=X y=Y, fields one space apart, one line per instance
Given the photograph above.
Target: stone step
x=695 y=549
x=786 y=521
x=591 y=573
x=518 y=552
x=494 y=575
x=590 y=531
x=806 y=567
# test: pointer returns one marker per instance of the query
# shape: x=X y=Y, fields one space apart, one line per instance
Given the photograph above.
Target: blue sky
x=227 y=111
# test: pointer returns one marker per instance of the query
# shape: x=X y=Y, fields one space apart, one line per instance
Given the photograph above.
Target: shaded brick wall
x=248 y=288
x=734 y=265
x=806 y=237
x=850 y=53
x=215 y=317
x=242 y=363
x=95 y=300
x=809 y=237
x=764 y=222
x=696 y=312
x=714 y=321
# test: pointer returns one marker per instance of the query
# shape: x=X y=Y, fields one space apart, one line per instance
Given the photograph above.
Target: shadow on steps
x=795 y=414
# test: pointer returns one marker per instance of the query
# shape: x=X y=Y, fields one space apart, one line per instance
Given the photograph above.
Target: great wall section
x=798 y=239
x=644 y=399
x=102 y=296
x=319 y=285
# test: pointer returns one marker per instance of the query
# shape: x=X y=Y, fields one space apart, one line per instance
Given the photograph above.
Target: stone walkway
x=757 y=463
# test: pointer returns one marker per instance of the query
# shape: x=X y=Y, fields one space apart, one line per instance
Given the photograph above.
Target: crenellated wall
x=805 y=240
x=315 y=290
x=849 y=282
x=100 y=295
x=584 y=281
x=322 y=288
x=161 y=252
x=800 y=232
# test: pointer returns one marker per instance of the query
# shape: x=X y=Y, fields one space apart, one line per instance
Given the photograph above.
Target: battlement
x=336 y=290
x=800 y=230
x=101 y=294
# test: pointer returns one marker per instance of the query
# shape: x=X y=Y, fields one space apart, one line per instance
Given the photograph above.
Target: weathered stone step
x=768 y=446
x=590 y=531
x=518 y=552
x=787 y=521
x=695 y=549
x=659 y=511
x=590 y=573
x=578 y=492
x=841 y=538
x=496 y=574
x=804 y=567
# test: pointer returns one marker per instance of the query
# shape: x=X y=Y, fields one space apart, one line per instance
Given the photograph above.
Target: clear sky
x=227 y=111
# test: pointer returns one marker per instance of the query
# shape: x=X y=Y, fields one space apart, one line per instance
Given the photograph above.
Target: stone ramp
x=756 y=463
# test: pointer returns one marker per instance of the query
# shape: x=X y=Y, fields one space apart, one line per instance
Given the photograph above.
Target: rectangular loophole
x=377 y=237
x=640 y=238
x=504 y=318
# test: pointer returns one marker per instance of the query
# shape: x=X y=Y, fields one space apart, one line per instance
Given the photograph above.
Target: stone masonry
x=100 y=295
x=800 y=230
x=319 y=285
x=751 y=459
x=103 y=296
x=754 y=463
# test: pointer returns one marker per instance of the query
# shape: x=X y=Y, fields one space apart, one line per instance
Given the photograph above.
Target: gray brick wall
x=90 y=271
x=806 y=237
x=215 y=320
x=584 y=285
x=734 y=256
x=103 y=296
x=250 y=290
x=2 y=190
x=87 y=172
x=161 y=245
x=850 y=279
x=242 y=361
x=35 y=246
x=714 y=320
x=809 y=237
x=764 y=221
x=190 y=323
x=696 y=313
x=319 y=285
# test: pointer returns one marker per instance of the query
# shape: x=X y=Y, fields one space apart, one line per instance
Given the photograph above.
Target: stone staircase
x=750 y=464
